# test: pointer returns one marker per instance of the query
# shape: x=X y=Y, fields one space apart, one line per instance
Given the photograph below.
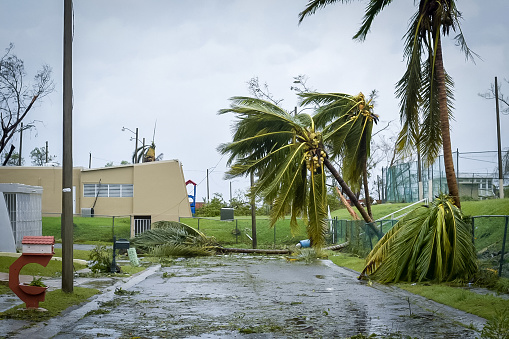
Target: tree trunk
x=347 y=205
x=8 y=155
x=367 y=199
x=444 y=126
x=352 y=197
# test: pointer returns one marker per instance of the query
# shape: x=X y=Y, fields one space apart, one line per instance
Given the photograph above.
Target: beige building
x=146 y=192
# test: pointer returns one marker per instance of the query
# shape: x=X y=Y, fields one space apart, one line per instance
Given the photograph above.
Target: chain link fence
x=489 y=234
x=476 y=172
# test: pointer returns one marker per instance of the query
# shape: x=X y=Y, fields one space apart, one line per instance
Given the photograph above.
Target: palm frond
x=313 y=5
x=430 y=243
x=372 y=10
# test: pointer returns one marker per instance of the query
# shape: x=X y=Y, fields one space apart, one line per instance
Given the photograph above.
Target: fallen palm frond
x=429 y=243
x=176 y=239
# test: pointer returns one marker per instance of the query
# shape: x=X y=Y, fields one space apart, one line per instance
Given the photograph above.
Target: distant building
x=145 y=192
x=476 y=186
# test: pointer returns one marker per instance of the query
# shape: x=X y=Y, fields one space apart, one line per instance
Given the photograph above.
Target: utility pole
x=253 y=214
x=20 y=144
x=90 y=160
x=208 y=196
x=136 y=147
x=230 y=194
x=500 y=172
x=67 y=213
x=46 y=152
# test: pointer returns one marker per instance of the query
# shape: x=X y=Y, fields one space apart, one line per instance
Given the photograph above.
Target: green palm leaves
x=288 y=153
x=430 y=243
x=347 y=123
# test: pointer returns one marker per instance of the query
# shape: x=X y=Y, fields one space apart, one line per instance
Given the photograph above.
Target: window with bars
x=108 y=190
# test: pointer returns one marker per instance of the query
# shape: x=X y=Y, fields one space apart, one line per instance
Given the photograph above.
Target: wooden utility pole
x=500 y=172
x=67 y=213
x=46 y=156
x=253 y=215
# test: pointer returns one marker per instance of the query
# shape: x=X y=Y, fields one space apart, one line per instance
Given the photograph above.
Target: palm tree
x=351 y=140
x=425 y=90
x=288 y=155
x=429 y=243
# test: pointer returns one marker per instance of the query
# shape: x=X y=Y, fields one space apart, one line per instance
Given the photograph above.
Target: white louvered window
x=108 y=190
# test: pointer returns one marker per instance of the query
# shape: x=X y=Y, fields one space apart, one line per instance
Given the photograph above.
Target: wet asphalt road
x=256 y=297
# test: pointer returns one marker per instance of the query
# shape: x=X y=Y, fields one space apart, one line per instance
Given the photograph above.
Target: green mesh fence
x=476 y=172
x=491 y=244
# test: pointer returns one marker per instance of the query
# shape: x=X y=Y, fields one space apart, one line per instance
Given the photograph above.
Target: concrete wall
x=159 y=188
x=50 y=178
x=166 y=187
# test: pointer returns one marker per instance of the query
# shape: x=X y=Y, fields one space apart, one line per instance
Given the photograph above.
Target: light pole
x=136 y=144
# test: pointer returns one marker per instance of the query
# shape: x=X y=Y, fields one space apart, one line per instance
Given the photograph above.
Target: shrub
x=100 y=259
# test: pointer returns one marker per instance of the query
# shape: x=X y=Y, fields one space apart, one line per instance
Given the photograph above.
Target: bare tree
x=261 y=91
x=18 y=96
x=490 y=95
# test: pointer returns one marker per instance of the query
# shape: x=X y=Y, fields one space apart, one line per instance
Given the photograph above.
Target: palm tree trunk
x=444 y=126
x=352 y=197
x=367 y=199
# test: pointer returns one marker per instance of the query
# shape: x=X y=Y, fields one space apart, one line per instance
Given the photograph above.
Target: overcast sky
x=178 y=63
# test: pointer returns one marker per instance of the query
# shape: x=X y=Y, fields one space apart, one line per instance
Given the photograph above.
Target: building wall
x=108 y=175
x=166 y=185
x=50 y=178
x=159 y=189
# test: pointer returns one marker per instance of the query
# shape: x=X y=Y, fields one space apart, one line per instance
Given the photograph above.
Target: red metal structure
x=35 y=250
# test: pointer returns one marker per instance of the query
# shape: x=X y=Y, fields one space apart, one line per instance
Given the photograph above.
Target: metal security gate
x=141 y=224
x=24 y=208
x=10 y=202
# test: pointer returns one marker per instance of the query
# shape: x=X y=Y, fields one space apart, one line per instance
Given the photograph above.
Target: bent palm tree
x=288 y=154
x=429 y=243
x=350 y=128
x=425 y=87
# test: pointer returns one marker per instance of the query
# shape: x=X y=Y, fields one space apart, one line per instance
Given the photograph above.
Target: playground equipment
x=193 y=204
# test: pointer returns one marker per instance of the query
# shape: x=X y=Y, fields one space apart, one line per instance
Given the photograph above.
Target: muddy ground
x=240 y=296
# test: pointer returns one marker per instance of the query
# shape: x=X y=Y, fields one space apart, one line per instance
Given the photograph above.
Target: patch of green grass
x=484 y=306
x=54 y=267
x=128 y=269
x=379 y=211
x=77 y=254
x=4 y=289
x=89 y=229
x=347 y=260
x=56 y=302
x=224 y=231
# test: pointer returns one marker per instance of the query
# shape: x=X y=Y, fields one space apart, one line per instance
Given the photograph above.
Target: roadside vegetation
x=55 y=302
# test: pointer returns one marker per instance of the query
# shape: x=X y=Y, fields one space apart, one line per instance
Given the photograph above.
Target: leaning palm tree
x=350 y=139
x=430 y=243
x=425 y=90
x=288 y=154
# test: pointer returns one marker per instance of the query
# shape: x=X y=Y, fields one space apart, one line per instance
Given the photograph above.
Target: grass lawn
x=224 y=231
x=89 y=229
x=348 y=260
x=55 y=302
x=54 y=267
x=484 y=306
